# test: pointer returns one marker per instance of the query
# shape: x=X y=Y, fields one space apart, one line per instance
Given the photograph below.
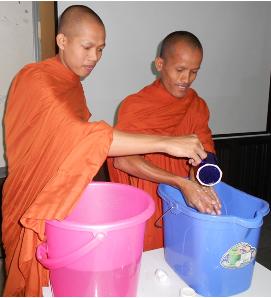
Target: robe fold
x=53 y=152
x=153 y=110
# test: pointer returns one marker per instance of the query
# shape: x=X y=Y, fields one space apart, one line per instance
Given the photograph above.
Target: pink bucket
x=97 y=249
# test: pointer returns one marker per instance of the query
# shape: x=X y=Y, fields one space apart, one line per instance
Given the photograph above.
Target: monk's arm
x=183 y=146
x=137 y=166
x=195 y=196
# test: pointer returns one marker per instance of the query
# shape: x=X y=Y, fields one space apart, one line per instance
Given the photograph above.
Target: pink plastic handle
x=56 y=263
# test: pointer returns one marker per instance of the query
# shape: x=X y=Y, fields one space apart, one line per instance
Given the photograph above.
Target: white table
x=150 y=286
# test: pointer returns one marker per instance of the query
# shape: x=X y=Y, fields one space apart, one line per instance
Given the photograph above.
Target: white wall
x=16 y=49
x=234 y=78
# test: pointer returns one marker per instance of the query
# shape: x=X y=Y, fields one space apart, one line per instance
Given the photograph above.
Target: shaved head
x=179 y=62
x=80 y=39
x=74 y=16
x=173 y=38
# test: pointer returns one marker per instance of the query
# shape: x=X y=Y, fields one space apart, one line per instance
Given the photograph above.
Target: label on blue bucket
x=238 y=256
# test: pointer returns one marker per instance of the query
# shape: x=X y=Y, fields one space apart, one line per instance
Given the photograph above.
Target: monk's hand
x=187 y=146
x=202 y=198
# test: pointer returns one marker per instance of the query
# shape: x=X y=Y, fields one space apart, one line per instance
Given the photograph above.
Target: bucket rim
x=255 y=222
x=110 y=226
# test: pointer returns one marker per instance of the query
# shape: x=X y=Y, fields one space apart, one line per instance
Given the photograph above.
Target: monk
x=52 y=149
x=169 y=106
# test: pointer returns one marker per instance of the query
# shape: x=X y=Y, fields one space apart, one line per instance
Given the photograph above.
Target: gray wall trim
x=3 y=172
x=36 y=29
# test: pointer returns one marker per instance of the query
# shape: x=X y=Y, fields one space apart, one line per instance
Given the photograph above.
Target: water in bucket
x=97 y=249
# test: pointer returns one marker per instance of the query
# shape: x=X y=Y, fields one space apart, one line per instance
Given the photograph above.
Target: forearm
x=129 y=144
x=139 y=167
x=180 y=146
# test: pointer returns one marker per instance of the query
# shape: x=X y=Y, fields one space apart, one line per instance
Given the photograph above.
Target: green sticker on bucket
x=238 y=256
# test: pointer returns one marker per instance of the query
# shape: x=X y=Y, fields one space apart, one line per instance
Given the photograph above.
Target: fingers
x=185 y=146
x=194 y=161
x=217 y=210
x=208 y=201
x=202 y=198
x=197 y=157
x=201 y=153
x=212 y=196
x=199 y=206
x=198 y=153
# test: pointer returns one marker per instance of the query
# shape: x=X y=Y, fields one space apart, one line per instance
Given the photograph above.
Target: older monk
x=169 y=106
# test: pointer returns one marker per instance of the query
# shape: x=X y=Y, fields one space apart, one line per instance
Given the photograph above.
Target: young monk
x=167 y=107
x=53 y=152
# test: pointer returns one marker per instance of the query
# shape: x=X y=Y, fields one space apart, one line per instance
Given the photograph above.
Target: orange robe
x=53 y=152
x=155 y=111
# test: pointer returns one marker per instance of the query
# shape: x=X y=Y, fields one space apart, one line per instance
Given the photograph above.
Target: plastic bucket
x=97 y=249
x=214 y=255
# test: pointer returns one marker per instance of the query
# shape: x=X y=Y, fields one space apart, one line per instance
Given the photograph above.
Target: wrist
x=180 y=182
x=162 y=144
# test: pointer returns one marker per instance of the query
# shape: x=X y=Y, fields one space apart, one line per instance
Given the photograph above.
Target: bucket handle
x=55 y=263
x=160 y=217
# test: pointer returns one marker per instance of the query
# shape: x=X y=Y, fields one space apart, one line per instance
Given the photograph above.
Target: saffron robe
x=53 y=152
x=153 y=110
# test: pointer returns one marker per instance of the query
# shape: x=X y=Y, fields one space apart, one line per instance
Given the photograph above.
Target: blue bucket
x=214 y=255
